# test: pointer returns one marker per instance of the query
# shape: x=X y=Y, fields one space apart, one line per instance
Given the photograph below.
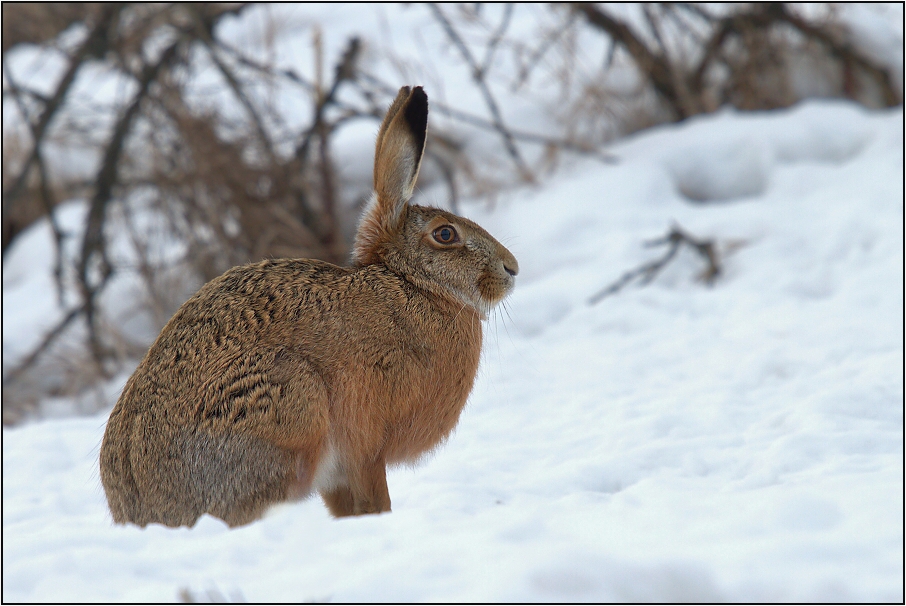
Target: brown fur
x=292 y=375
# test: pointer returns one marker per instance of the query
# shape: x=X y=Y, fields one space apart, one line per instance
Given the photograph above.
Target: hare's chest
x=427 y=403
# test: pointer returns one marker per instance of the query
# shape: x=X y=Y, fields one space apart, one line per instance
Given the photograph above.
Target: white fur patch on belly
x=329 y=474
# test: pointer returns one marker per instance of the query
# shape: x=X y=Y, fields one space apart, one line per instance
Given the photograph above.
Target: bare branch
x=496 y=37
x=648 y=271
x=95 y=43
x=542 y=49
x=93 y=240
x=44 y=186
x=205 y=37
x=289 y=74
x=649 y=63
x=763 y=16
x=480 y=122
x=655 y=28
x=326 y=226
x=478 y=76
x=845 y=51
x=346 y=70
x=49 y=208
x=45 y=343
x=449 y=177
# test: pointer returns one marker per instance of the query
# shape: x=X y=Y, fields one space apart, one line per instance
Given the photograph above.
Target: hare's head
x=436 y=250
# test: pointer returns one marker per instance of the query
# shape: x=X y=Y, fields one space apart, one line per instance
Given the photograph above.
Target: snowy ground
x=672 y=443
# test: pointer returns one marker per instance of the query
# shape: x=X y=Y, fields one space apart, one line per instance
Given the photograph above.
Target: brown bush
x=235 y=190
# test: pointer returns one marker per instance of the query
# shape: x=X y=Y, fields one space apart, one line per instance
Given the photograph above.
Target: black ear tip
x=416 y=113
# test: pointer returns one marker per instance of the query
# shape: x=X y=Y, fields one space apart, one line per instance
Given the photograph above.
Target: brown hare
x=290 y=376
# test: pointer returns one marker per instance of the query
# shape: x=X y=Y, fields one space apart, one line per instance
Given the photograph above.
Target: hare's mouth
x=494 y=287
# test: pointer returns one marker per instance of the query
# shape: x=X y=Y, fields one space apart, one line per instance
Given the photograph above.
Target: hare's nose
x=508 y=261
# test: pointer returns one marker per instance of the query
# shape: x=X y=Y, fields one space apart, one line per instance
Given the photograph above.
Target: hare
x=293 y=376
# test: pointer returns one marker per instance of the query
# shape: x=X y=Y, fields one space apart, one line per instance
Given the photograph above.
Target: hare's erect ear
x=400 y=145
x=397 y=158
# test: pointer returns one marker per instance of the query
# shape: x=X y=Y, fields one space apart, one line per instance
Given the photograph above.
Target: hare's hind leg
x=244 y=478
x=273 y=448
x=141 y=477
x=116 y=470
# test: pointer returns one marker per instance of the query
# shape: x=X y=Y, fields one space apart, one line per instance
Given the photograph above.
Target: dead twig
x=46 y=196
x=94 y=44
x=654 y=65
x=648 y=271
x=47 y=200
x=93 y=242
x=210 y=596
x=38 y=130
x=325 y=226
x=478 y=77
x=346 y=70
x=205 y=36
x=48 y=340
x=466 y=117
x=683 y=88
x=268 y=71
x=549 y=41
x=496 y=38
x=844 y=51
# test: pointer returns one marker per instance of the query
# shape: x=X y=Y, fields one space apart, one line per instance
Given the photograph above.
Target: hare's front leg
x=339 y=501
x=366 y=492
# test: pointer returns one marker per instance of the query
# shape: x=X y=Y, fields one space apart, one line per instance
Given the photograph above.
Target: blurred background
x=149 y=147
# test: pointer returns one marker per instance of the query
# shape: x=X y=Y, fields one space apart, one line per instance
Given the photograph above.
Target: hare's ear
x=397 y=158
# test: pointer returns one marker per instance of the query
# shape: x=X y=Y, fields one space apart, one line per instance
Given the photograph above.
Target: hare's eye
x=446 y=234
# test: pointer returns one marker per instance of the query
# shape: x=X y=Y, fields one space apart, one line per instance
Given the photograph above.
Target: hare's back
x=234 y=349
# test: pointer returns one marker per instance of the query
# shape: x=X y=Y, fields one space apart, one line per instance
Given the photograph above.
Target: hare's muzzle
x=506 y=270
x=509 y=262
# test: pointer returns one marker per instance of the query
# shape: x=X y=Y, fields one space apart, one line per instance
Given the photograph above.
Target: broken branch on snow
x=674 y=239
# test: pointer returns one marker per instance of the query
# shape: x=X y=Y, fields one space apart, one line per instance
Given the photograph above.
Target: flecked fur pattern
x=287 y=377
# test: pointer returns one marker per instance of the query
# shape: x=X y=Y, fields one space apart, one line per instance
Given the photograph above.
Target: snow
x=674 y=442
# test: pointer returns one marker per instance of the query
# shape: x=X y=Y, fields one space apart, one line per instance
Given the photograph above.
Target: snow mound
x=727 y=159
